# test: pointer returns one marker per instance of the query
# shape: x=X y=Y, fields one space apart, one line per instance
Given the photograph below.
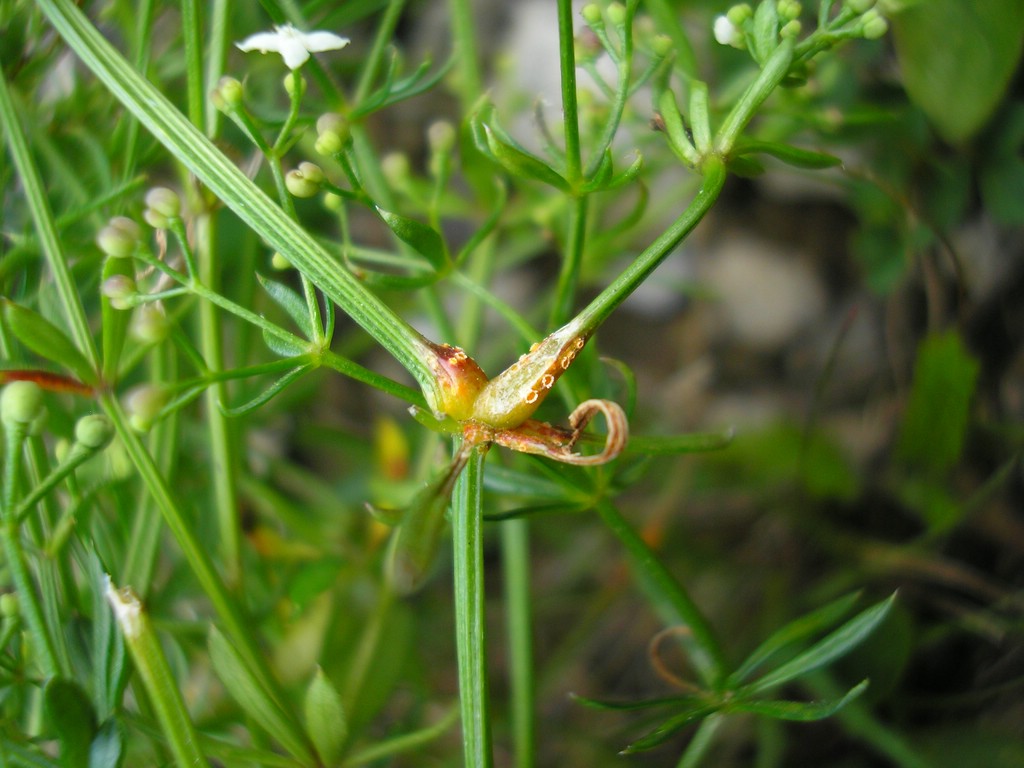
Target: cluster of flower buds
x=856 y=18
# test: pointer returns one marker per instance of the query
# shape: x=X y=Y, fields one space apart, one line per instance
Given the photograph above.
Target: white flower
x=293 y=45
x=726 y=32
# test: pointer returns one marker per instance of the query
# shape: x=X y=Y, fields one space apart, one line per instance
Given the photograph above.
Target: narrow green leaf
x=678 y=138
x=266 y=395
x=687 y=702
x=71 y=715
x=290 y=301
x=799 y=711
x=284 y=347
x=823 y=653
x=259 y=704
x=800 y=158
x=669 y=728
x=656 y=445
x=325 y=718
x=426 y=241
x=939 y=406
x=20 y=756
x=107 y=749
x=796 y=631
x=46 y=340
x=519 y=162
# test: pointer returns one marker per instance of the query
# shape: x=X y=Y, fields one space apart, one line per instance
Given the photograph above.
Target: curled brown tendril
x=556 y=443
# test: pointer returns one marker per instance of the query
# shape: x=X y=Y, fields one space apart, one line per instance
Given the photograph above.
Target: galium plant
x=126 y=335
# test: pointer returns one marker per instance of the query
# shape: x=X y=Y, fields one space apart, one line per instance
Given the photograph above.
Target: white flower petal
x=264 y=42
x=317 y=42
x=726 y=32
x=293 y=52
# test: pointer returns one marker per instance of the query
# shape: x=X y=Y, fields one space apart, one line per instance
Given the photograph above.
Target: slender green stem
x=217 y=33
x=570 y=114
x=515 y=547
x=471 y=81
x=157 y=678
x=674 y=605
x=631 y=278
x=225 y=180
x=192 y=31
x=698 y=747
x=43 y=644
x=467 y=535
x=767 y=81
x=42 y=217
x=374 y=59
x=572 y=259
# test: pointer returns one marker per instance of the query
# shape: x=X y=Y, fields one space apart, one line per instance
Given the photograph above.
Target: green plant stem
x=670 y=599
x=698 y=747
x=225 y=180
x=467 y=536
x=43 y=645
x=192 y=31
x=157 y=678
x=572 y=259
x=470 y=82
x=515 y=547
x=373 y=60
x=570 y=113
x=223 y=459
x=217 y=33
x=236 y=628
x=767 y=81
x=42 y=217
x=620 y=288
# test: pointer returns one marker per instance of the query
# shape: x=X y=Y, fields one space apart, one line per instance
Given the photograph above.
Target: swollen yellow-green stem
x=511 y=397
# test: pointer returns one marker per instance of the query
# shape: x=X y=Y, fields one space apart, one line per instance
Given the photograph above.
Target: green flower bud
x=591 y=14
x=860 y=6
x=119 y=238
x=791 y=29
x=333 y=202
x=294 y=80
x=93 y=431
x=279 y=262
x=149 y=323
x=441 y=136
x=121 y=290
x=873 y=26
x=143 y=405
x=9 y=608
x=617 y=14
x=661 y=45
x=305 y=180
x=789 y=9
x=328 y=144
x=738 y=14
x=227 y=95
x=162 y=205
x=21 y=403
x=395 y=166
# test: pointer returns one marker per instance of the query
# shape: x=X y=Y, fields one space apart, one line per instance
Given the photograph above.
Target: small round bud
x=149 y=323
x=9 y=608
x=860 y=6
x=119 y=238
x=727 y=33
x=305 y=180
x=739 y=13
x=791 y=29
x=441 y=136
x=93 y=431
x=591 y=14
x=143 y=404
x=21 y=403
x=294 y=81
x=227 y=95
x=333 y=202
x=789 y=9
x=162 y=205
x=873 y=26
x=395 y=166
x=617 y=14
x=121 y=290
x=661 y=45
x=279 y=262
x=328 y=144
x=332 y=122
